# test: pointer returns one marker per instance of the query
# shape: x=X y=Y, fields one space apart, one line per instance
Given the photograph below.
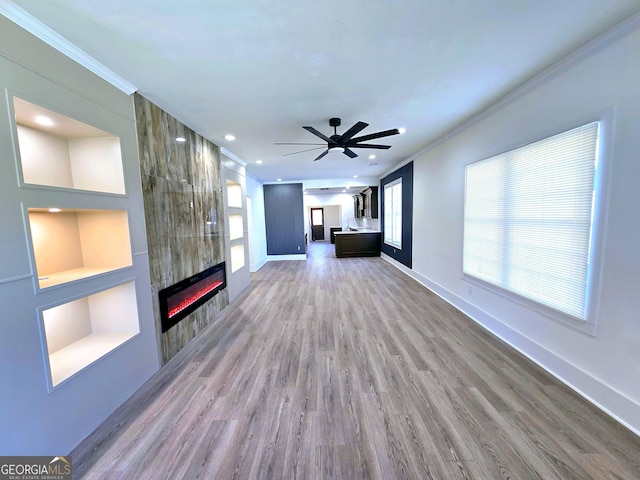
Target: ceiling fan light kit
x=347 y=140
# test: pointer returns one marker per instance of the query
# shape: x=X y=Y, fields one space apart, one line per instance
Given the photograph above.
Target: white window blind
x=528 y=219
x=393 y=213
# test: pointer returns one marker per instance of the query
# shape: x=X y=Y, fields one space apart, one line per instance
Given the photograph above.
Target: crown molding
x=34 y=26
x=228 y=153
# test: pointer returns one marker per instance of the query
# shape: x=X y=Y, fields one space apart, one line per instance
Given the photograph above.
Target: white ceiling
x=261 y=69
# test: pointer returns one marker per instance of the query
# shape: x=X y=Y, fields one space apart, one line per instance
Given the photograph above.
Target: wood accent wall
x=182 y=188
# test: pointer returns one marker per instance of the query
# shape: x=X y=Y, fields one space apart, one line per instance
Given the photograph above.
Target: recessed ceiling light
x=259 y=162
x=54 y=210
x=344 y=191
x=279 y=179
x=355 y=176
x=229 y=137
x=402 y=130
x=371 y=157
x=181 y=139
x=44 y=121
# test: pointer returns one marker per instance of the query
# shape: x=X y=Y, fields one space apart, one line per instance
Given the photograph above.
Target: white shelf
x=69 y=276
x=74 y=244
x=67 y=153
x=77 y=356
x=81 y=331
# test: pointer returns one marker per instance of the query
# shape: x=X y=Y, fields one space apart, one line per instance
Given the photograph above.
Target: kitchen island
x=358 y=243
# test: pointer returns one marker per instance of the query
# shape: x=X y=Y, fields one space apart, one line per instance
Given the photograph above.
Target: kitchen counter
x=359 y=230
x=361 y=243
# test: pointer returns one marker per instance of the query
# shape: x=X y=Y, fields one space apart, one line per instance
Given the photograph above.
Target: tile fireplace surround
x=184 y=216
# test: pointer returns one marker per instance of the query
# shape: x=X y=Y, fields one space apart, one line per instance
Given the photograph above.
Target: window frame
x=392 y=211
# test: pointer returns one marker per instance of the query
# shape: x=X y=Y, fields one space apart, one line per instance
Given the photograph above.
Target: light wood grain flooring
x=346 y=368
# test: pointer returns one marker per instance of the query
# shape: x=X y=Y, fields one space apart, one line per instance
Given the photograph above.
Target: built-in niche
x=234 y=194
x=79 y=332
x=237 y=257
x=58 y=151
x=71 y=244
x=235 y=226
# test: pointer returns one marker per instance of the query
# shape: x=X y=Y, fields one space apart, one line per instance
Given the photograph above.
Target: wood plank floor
x=347 y=368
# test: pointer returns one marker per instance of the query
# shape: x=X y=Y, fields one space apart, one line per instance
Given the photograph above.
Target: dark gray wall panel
x=404 y=254
x=284 y=218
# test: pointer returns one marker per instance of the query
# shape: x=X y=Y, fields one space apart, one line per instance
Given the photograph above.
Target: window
x=393 y=213
x=528 y=219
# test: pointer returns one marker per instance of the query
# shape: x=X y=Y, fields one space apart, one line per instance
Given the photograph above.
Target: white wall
x=604 y=367
x=343 y=200
x=258 y=232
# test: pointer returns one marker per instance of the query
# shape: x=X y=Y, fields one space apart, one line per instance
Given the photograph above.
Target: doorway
x=317 y=224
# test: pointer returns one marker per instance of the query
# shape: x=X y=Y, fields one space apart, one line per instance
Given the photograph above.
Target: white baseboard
x=272 y=258
x=614 y=403
x=254 y=267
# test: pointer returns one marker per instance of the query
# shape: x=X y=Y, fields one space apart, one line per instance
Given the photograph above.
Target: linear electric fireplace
x=179 y=300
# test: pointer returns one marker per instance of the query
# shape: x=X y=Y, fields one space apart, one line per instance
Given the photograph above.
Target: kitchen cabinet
x=358 y=244
x=365 y=203
x=370 y=202
x=357 y=206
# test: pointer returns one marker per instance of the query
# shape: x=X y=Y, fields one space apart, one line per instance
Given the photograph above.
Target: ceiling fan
x=346 y=141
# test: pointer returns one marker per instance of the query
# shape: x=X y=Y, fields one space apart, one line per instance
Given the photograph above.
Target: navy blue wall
x=284 y=218
x=404 y=254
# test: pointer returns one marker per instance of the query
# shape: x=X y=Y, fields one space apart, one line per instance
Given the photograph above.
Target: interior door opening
x=317 y=224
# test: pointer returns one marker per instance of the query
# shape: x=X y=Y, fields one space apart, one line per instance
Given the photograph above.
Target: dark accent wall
x=404 y=254
x=184 y=215
x=284 y=219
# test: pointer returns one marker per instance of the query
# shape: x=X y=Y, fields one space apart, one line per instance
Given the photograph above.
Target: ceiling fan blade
x=357 y=128
x=350 y=153
x=318 y=134
x=295 y=143
x=371 y=136
x=369 y=145
x=321 y=155
x=302 y=151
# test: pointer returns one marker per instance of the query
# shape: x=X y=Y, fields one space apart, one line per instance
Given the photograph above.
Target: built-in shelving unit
x=65 y=165
x=235 y=220
x=70 y=244
x=81 y=331
x=237 y=239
